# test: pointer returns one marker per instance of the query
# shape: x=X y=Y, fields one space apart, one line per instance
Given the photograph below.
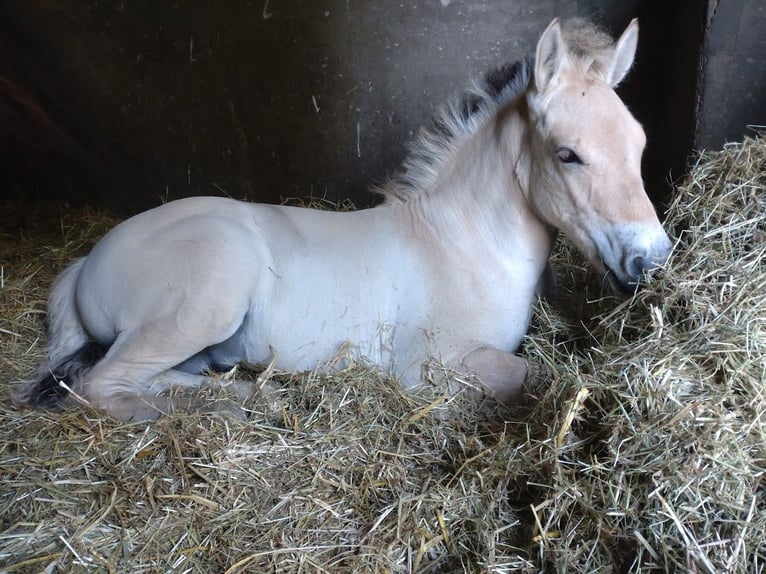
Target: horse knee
x=502 y=374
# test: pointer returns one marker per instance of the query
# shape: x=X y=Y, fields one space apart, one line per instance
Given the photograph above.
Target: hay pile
x=644 y=452
x=663 y=465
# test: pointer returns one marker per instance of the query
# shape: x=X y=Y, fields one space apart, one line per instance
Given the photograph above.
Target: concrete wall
x=123 y=104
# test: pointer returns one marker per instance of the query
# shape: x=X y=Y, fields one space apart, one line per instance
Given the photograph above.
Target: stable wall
x=732 y=85
x=126 y=104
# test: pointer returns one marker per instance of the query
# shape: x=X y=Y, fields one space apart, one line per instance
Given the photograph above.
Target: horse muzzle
x=637 y=264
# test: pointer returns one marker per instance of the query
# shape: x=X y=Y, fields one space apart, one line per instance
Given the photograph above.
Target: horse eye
x=566 y=155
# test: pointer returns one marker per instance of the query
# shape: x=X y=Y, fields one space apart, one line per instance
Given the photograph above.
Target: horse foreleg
x=502 y=374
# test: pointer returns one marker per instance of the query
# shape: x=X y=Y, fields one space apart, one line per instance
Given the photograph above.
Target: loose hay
x=643 y=452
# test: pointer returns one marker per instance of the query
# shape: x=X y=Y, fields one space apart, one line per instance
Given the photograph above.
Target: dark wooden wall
x=732 y=86
x=125 y=104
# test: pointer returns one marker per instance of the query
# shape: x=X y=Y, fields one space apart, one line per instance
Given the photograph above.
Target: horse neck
x=477 y=200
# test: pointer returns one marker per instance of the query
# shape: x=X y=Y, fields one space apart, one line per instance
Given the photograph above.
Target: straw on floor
x=643 y=448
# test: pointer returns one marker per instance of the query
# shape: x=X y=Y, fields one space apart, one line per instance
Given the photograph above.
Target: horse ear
x=624 y=52
x=549 y=56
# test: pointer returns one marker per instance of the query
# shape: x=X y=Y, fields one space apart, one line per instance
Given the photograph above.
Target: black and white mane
x=590 y=48
x=459 y=118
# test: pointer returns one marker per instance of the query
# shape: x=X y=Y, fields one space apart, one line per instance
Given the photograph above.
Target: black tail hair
x=46 y=392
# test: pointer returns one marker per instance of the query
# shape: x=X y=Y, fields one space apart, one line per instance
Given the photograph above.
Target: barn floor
x=643 y=448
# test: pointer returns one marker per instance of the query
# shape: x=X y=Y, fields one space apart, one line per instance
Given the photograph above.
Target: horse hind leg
x=221 y=358
x=129 y=382
x=177 y=379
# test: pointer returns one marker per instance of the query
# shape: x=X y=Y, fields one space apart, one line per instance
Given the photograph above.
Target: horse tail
x=71 y=353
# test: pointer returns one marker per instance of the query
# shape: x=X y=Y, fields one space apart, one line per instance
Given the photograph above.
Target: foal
x=447 y=268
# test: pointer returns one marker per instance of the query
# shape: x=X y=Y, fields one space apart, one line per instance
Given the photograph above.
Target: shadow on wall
x=45 y=150
x=124 y=105
x=127 y=105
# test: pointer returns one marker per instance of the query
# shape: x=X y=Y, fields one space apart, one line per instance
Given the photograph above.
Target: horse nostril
x=640 y=265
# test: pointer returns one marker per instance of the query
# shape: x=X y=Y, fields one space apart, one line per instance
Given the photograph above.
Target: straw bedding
x=643 y=449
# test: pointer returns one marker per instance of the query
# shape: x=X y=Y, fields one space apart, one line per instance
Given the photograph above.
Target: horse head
x=584 y=174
